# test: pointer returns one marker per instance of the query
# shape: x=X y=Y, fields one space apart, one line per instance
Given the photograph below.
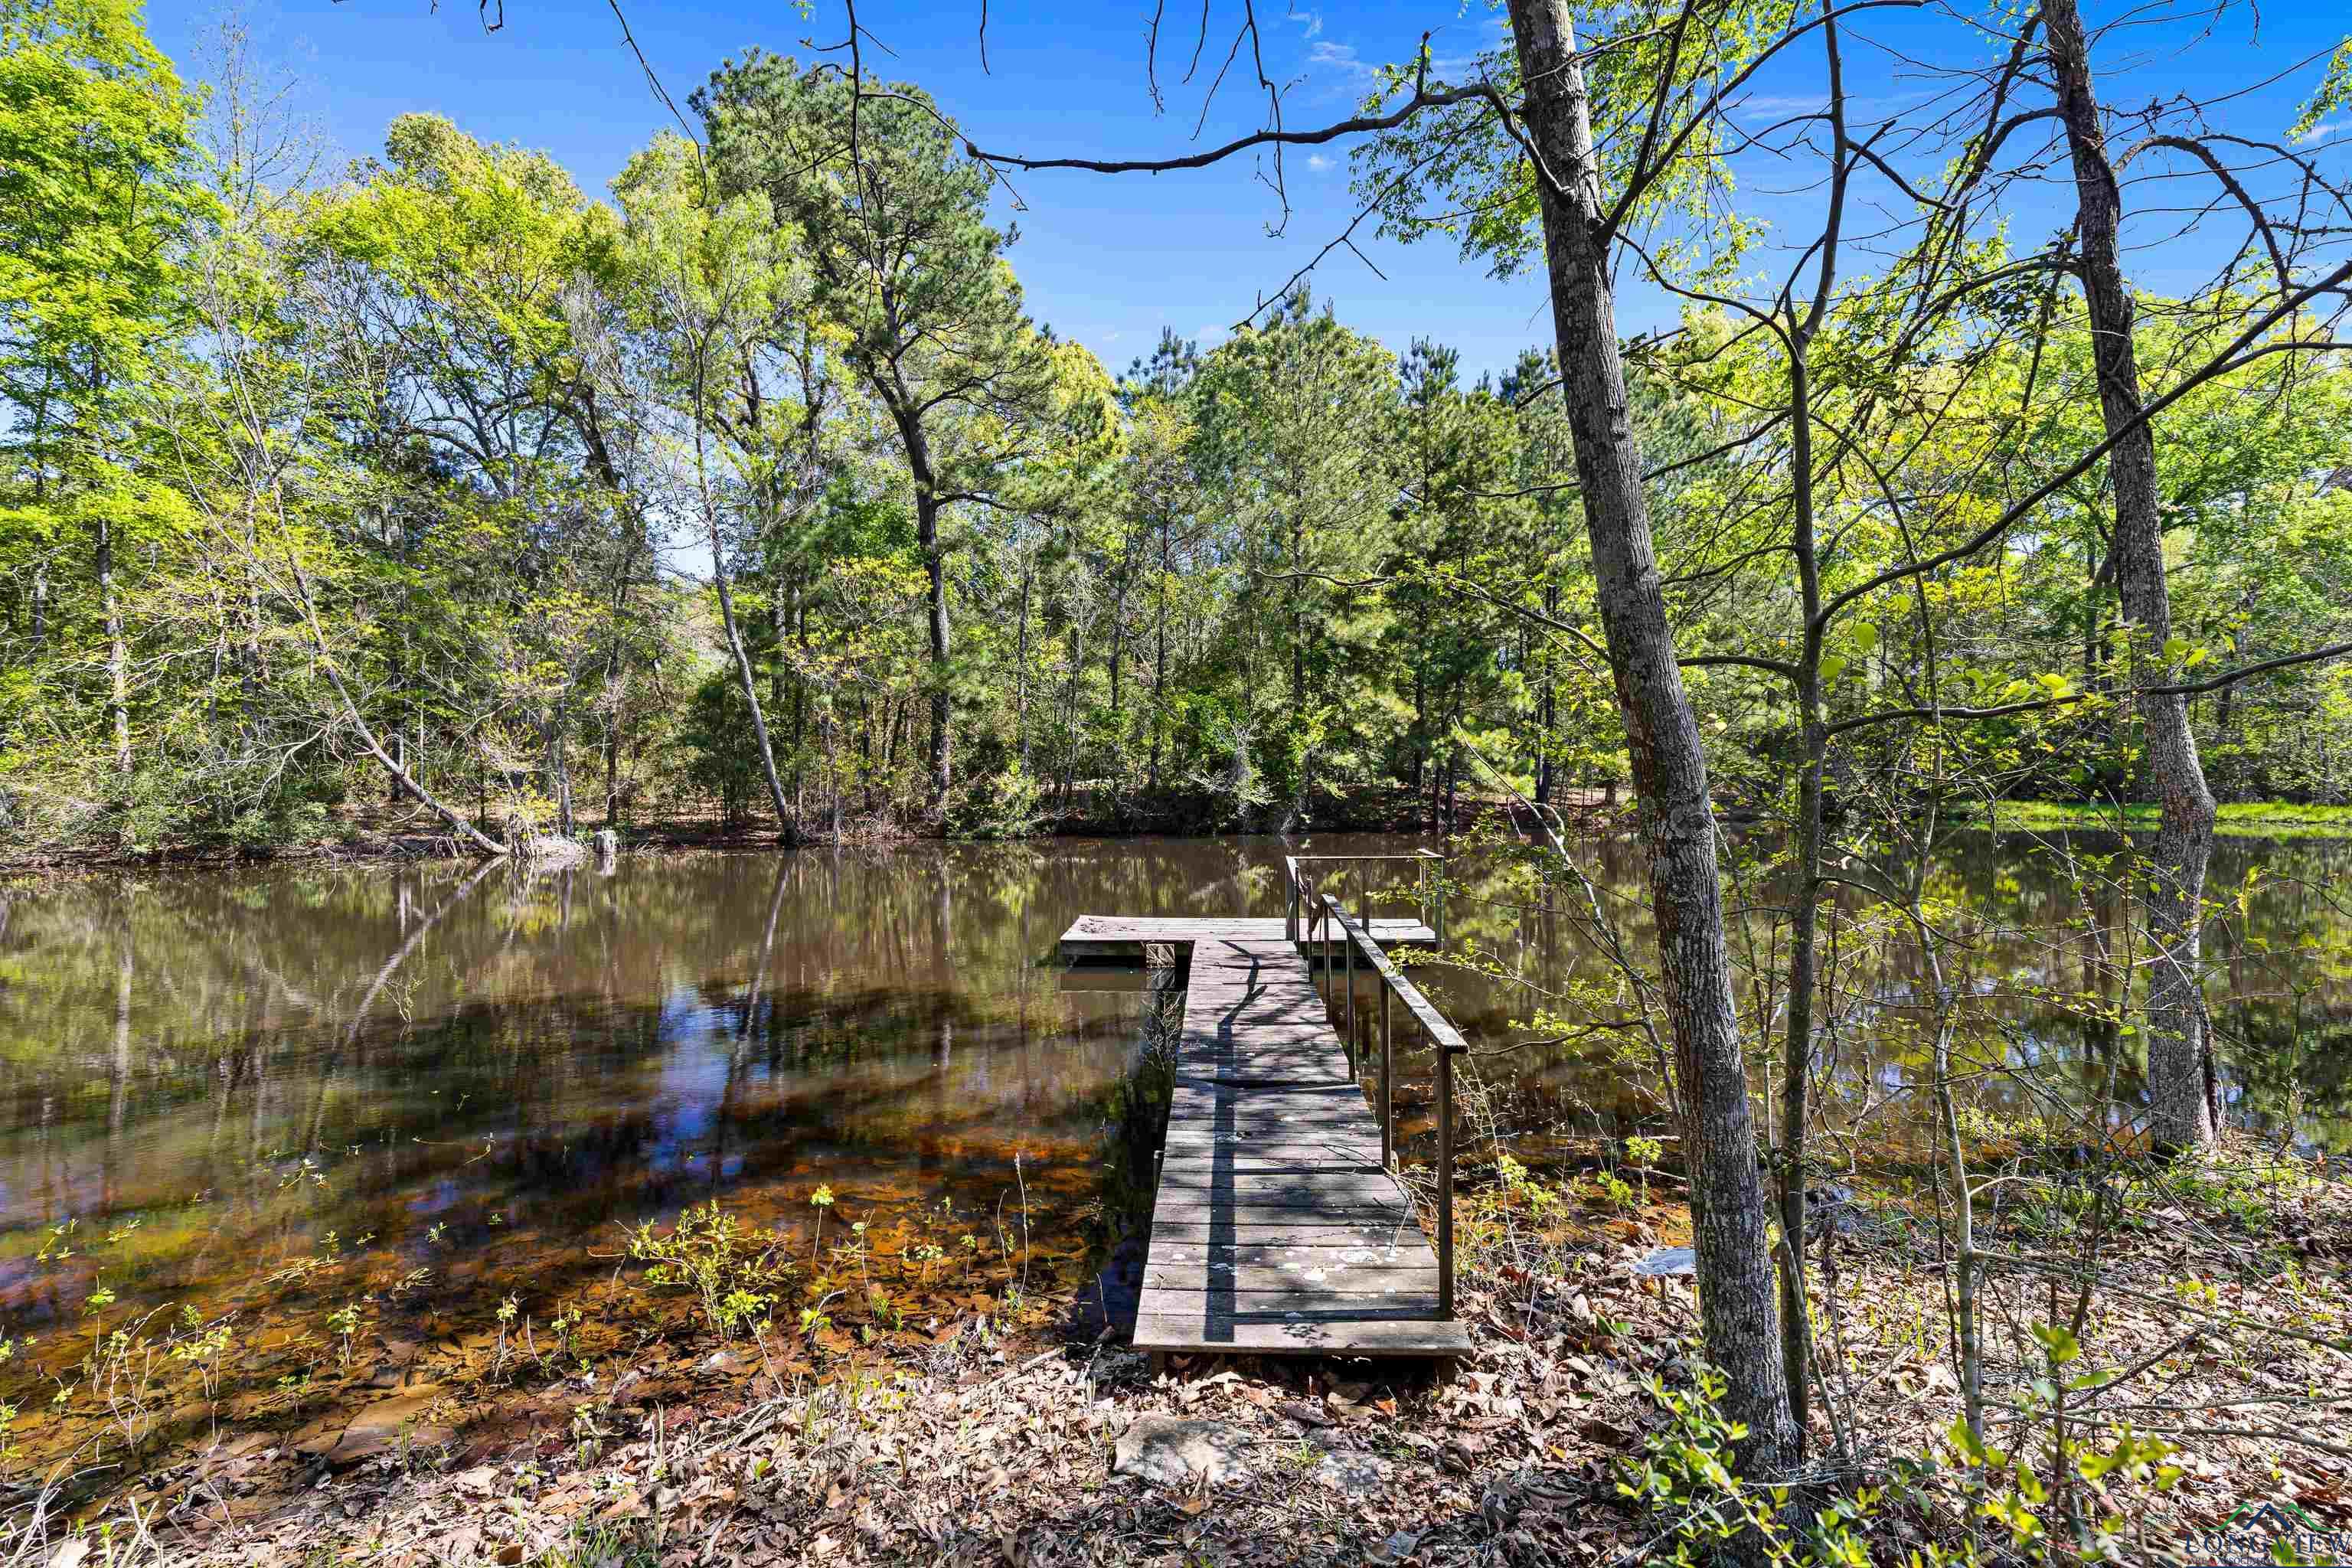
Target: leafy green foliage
x=440 y=464
x=735 y=1272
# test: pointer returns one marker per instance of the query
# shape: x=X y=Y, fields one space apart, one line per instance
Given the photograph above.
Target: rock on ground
x=377 y=1429
x=1352 y=1471
x=1170 y=1452
x=1667 y=1261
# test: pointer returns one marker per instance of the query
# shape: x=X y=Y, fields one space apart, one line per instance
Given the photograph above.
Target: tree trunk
x=457 y=820
x=747 y=679
x=559 y=772
x=612 y=771
x=117 y=655
x=1021 y=674
x=1159 y=659
x=1728 y=1220
x=1805 y=904
x=1420 y=723
x=927 y=528
x=2182 y=1113
x=1547 y=709
x=1298 y=648
x=1119 y=636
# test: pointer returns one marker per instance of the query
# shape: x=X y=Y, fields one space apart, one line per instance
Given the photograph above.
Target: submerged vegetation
x=614 y=1429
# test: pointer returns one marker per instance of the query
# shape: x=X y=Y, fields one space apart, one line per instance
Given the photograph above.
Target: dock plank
x=1276 y=1229
x=1127 y=936
x=1206 y=1329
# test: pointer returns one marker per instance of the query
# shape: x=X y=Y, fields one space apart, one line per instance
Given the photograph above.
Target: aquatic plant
x=343 y=1322
x=566 y=1326
x=507 y=1312
x=1645 y=1153
x=121 y=1372
x=821 y=1200
x=733 y=1270
x=198 y=1350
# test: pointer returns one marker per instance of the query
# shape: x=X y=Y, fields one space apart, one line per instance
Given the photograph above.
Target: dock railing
x=1317 y=916
x=1429 y=887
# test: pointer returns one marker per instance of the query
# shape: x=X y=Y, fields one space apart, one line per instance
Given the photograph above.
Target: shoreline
x=380 y=838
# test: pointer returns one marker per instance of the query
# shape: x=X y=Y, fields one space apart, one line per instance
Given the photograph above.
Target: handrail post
x=1388 y=1069
x=1445 y=1181
x=1316 y=932
x=1347 y=941
x=1323 y=957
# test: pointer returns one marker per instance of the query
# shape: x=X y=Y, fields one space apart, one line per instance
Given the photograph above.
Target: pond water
x=478 y=1076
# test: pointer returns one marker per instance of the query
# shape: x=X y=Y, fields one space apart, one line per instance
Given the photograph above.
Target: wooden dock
x=1276 y=1228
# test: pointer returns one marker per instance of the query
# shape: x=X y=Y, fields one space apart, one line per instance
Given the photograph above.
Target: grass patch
x=2255 y=819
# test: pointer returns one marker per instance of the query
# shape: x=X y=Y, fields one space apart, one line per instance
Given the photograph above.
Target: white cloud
x=1312 y=21
x=2323 y=130
x=1338 y=58
x=1353 y=72
x=1769 y=107
x=1319 y=163
x=1774 y=106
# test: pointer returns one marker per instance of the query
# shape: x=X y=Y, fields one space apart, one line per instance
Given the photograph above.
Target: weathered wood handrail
x=1298 y=905
x=1446 y=1039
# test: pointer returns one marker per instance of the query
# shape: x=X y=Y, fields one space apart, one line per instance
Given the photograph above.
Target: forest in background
x=758 y=489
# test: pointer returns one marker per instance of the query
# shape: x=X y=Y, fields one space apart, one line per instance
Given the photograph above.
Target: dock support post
x=1388 y=1071
x=1347 y=941
x=1310 y=935
x=1445 y=1181
x=1323 y=954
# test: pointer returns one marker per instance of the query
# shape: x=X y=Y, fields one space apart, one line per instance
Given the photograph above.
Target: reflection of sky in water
x=699 y=1037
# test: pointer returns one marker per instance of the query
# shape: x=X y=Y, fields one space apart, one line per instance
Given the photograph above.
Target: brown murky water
x=460 y=1083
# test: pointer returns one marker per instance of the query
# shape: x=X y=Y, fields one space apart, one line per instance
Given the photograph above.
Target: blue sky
x=1109 y=261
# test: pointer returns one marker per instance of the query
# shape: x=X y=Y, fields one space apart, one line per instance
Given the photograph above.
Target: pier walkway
x=1279 y=1225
